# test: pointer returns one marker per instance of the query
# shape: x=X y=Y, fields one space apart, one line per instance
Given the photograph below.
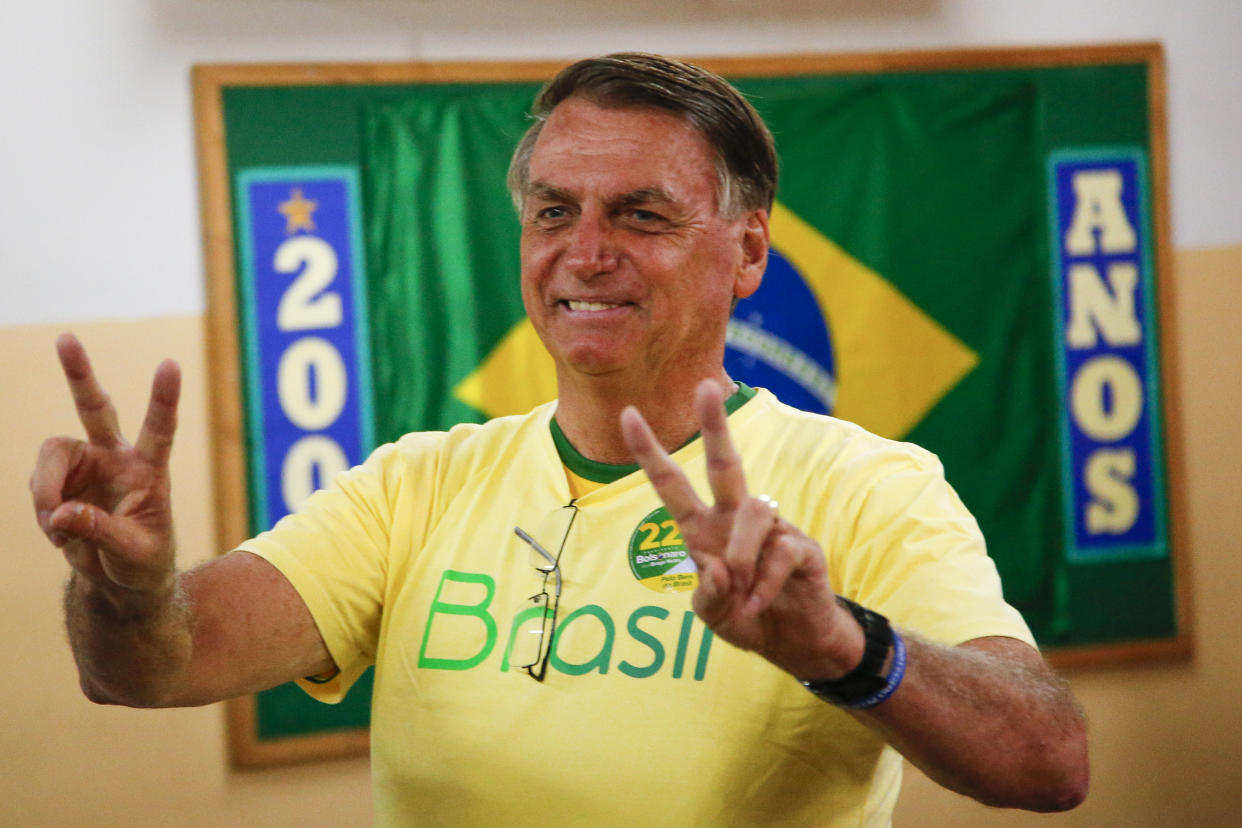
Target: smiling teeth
x=579 y=305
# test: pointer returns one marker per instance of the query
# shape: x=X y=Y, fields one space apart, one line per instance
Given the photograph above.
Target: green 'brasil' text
x=646 y=626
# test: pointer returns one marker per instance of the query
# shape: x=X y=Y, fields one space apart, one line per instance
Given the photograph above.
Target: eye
x=644 y=219
x=549 y=216
x=551 y=213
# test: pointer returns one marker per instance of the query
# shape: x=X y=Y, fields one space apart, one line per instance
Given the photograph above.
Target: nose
x=591 y=246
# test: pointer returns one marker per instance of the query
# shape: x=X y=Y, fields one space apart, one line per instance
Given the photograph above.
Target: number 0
x=311 y=383
x=309 y=465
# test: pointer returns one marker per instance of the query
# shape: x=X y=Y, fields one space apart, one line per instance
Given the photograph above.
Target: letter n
x=1094 y=307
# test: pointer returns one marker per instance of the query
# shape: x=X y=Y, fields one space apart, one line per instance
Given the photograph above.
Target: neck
x=589 y=409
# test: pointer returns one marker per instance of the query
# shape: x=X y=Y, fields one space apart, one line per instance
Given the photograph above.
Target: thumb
x=98 y=543
x=70 y=528
x=72 y=521
x=86 y=523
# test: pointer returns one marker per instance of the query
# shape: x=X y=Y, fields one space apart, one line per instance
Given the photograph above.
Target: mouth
x=583 y=306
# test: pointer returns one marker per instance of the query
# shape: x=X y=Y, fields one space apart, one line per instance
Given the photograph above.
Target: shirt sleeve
x=334 y=550
x=916 y=554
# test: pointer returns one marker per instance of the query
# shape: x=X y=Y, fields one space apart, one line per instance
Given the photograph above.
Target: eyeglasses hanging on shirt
x=535 y=626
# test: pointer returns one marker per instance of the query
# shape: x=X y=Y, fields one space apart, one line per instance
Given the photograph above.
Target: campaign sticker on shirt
x=658 y=556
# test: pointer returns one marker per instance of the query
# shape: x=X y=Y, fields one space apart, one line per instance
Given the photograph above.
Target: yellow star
x=297 y=212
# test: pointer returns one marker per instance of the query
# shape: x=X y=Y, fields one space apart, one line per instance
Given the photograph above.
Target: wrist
x=838 y=651
x=878 y=672
x=101 y=596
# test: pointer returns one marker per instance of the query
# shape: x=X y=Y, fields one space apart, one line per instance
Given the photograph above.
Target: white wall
x=100 y=218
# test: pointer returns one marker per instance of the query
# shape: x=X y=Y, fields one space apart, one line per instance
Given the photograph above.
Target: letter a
x=1097 y=206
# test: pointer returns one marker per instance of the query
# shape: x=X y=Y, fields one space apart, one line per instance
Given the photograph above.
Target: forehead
x=585 y=145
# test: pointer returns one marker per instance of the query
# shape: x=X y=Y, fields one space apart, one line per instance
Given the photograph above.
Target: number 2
x=654 y=540
x=305 y=304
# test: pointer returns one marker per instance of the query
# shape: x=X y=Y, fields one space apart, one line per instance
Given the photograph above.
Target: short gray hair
x=745 y=155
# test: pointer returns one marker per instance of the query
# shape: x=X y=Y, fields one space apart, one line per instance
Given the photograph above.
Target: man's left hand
x=763 y=583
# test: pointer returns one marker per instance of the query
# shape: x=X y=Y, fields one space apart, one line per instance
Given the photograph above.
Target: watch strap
x=860 y=688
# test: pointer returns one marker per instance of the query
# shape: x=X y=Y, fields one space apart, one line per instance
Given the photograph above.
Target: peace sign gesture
x=105 y=502
x=763 y=583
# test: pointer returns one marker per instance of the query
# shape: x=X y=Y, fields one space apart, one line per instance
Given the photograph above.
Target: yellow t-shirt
x=410 y=562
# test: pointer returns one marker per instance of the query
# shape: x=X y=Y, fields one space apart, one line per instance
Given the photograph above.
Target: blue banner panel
x=1108 y=378
x=304 y=332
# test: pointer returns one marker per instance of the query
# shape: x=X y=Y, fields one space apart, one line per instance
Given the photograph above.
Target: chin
x=591 y=361
x=593 y=367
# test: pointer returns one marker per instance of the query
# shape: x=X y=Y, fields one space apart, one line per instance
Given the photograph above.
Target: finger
x=665 y=475
x=57 y=457
x=155 y=439
x=724 y=465
x=753 y=522
x=782 y=556
x=95 y=409
x=712 y=599
x=83 y=558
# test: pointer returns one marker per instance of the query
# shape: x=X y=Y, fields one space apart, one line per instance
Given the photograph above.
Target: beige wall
x=1166 y=739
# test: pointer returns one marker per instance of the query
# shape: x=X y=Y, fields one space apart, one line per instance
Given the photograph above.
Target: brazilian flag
x=908 y=288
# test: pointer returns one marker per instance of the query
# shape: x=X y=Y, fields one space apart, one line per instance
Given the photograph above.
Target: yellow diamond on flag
x=894 y=362
x=515 y=377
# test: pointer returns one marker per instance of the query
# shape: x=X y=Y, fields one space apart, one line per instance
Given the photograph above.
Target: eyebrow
x=547 y=192
x=643 y=195
x=646 y=195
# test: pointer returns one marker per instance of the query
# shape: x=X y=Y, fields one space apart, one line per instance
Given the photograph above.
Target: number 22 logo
x=660 y=535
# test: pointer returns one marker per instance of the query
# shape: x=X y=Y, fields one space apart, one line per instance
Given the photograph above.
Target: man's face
x=627 y=267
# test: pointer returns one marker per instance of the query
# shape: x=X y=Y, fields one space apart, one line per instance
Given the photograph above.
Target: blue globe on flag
x=778 y=339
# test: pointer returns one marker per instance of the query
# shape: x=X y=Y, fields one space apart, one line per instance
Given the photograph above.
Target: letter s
x=1114 y=507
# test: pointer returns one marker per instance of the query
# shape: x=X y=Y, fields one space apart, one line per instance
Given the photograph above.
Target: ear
x=754 y=243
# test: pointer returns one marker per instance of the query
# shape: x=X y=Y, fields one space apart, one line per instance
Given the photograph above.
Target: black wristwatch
x=865 y=681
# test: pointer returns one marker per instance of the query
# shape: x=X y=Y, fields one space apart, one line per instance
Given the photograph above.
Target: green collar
x=598 y=472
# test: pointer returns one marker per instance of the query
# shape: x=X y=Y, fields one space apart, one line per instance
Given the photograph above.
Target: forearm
x=988 y=720
x=130 y=647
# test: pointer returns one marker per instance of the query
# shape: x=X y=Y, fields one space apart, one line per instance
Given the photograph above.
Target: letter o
x=317 y=408
x=297 y=473
x=1087 y=398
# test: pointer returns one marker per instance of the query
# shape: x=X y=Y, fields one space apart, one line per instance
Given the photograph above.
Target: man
x=643 y=189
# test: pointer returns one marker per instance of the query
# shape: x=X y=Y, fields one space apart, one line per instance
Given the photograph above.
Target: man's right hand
x=141 y=634
x=104 y=502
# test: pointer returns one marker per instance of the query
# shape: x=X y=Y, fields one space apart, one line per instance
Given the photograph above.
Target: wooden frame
x=227 y=410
